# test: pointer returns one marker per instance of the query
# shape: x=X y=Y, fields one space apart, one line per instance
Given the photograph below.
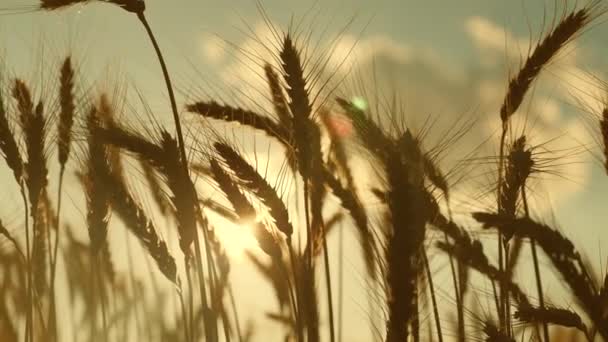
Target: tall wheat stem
x=539 y=284
x=332 y=334
x=429 y=278
x=501 y=263
x=184 y=158
x=53 y=309
x=29 y=324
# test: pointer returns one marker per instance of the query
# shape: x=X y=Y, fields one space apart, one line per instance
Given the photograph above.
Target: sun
x=235 y=238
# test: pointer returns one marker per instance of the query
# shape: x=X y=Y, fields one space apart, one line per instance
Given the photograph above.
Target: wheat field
x=303 y=193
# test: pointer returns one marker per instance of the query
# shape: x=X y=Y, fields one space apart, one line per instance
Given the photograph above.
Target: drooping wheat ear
x=351 y=202
x=237 y=199
x=96 y=191
x=545 y=50
x=214 y=110
x=564 y=257
x=33 y=122
x=138 y=223
x=245 y=210
x=66 y=115
x=279 y=101
x=550 y=315
x=493 y=334
x=551 y=240
x=255 y=183
x=165 y=158
x=135 y=6
x=57 y=4
x=604 y=133
x=8 y=144
x=183 y=194
x=132 y=142
x=407 y=215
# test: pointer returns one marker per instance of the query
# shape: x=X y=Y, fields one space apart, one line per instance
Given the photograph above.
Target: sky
x=447 y=60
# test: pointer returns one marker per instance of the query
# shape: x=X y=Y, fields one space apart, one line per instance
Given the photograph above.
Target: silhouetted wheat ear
x=33 y=123
x=546 y=49
x=135 y=6
x=551 y=240
x=96 y=192
x=564 y=258
x=182 y=189
x=8 y=144
x=165 y=158
x=293 y=74
x=407 y=215
x=279 y=101
x=57 y=4
x=604 y=133
x=138 y=223
x=214 y=110
x=562 y=317
x=133 y=143
x=66 y=115
x=518 y=168
x=241 y=205
x=255 y=183
x=245 y=210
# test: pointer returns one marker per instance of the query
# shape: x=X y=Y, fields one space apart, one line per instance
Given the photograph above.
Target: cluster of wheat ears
x=412 y=191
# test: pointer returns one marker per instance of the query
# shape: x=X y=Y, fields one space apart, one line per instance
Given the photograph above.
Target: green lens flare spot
x=359 y=103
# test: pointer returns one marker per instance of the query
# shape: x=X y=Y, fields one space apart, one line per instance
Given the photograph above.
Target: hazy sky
x=447 y=58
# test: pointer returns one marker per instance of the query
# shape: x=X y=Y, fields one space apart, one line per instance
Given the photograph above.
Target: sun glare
x=236 y=238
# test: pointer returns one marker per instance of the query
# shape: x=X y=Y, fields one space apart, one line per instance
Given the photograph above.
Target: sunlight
x=236 y=239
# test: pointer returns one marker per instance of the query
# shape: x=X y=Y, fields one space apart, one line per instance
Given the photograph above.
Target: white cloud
x=213 y=48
